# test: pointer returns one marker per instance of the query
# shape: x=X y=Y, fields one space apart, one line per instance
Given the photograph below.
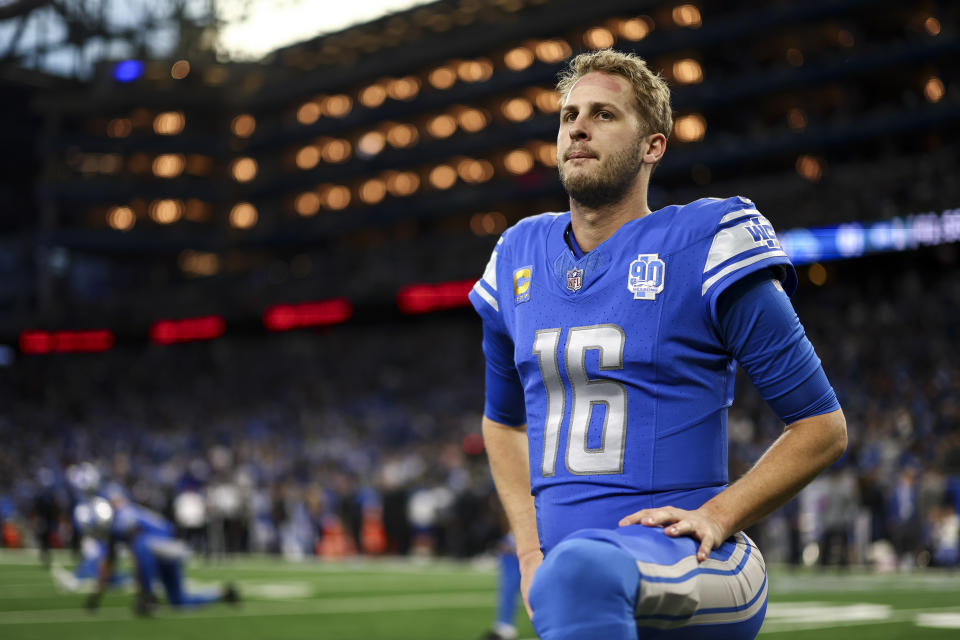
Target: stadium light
x=471 y=120
x=166 y=211
x=402 y=183
x=287 y=317
x=373 y=191
x=485 y=224
x=119 y=128
x=244 y=169
x=442 y=126
x=334 y=197
x=335 y=151
x=443 y=177
x=442 y=78
x=518 y=161
x=636 y=29
x=474 y=171
x=169 y=123
x=121 y=218
x=547 y=100
x=551 y=51
x=336 y=106
x=546 y=152
x=168 y=165
x=690 y=128
x=518 y=59
x=475 y=70
x=810 y=168
x=401 y=136
x=243 y=215
x=797 y=119
x=687 y=71
x=517 y=109
x=307 y=204
x=373 y=96
x=686 y=15
x=370 y=144
x=128 y=70
x=933 y=90
x=598 y=38
x=403 y=89
x=199 y=329
x=198 y=263
x=425 y=298
x=243 y=125
x=308 y=157
x=308 y=113
x=180 y=70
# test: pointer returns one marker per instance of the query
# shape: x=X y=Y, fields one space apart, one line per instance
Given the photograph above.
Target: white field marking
x=772 y=625
x=800 y=612
x=938 y=620
x=328 y=584
x=929 y=580
x=332 y=606
x=27 y=557
x=276 y=591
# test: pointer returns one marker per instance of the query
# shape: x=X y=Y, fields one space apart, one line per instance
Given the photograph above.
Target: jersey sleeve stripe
x=490 y=273
x=727 y=244
x=752 y=232
x=739 y=213
x=746 y=262
x=485 y=295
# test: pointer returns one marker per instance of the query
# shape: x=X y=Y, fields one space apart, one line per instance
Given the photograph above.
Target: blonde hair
x=650 y=91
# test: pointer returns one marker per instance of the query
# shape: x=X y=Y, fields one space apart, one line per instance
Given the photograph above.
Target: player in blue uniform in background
x=612 y=334
x=156 y=553
x=508 y=591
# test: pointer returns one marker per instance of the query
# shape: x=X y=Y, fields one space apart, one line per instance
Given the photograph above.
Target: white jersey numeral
x=609 y=340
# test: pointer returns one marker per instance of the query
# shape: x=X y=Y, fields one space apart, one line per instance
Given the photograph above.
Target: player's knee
x=585 y=584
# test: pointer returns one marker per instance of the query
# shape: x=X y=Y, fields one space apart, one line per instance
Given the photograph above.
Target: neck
x=591 y=226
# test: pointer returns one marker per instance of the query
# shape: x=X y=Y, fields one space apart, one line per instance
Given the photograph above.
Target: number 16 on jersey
x=586 y=394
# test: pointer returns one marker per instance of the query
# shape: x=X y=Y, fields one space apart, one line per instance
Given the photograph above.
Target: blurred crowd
x=365 y=439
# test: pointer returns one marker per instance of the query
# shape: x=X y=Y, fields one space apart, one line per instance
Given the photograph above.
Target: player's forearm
x=806 y=448
x=507 y=450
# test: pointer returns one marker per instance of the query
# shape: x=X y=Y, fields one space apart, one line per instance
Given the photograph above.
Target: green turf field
x=410 y=600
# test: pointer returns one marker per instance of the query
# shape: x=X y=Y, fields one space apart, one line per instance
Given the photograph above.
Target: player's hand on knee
x=528 y=566
x=680 y=522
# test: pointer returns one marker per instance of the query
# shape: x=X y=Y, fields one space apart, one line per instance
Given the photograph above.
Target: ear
x=653 y=148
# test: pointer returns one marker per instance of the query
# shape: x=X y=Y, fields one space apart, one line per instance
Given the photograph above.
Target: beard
x=609 y=183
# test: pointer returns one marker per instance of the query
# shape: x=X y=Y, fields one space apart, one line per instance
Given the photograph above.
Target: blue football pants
x=169 y=572
x=636 y=583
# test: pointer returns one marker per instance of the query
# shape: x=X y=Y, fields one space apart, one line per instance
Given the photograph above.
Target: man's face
x=600 y=140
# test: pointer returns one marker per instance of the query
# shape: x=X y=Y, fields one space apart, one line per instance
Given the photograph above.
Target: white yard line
x=420 y=602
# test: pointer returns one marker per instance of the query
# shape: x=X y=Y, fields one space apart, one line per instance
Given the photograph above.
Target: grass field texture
x=439 y=600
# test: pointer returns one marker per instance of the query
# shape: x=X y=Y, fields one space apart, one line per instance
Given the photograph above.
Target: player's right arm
x=507 y=451
x=504 y=419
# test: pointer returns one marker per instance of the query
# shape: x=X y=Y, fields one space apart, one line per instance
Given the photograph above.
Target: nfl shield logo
x=574 y=279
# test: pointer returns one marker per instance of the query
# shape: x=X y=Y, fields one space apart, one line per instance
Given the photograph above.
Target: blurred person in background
x=156 y=554
x=838 y=512
x=508 y=592
x=903 y=516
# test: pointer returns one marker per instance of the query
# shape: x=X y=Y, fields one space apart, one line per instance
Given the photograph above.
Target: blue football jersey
x=626 y=381
x=131 y=519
